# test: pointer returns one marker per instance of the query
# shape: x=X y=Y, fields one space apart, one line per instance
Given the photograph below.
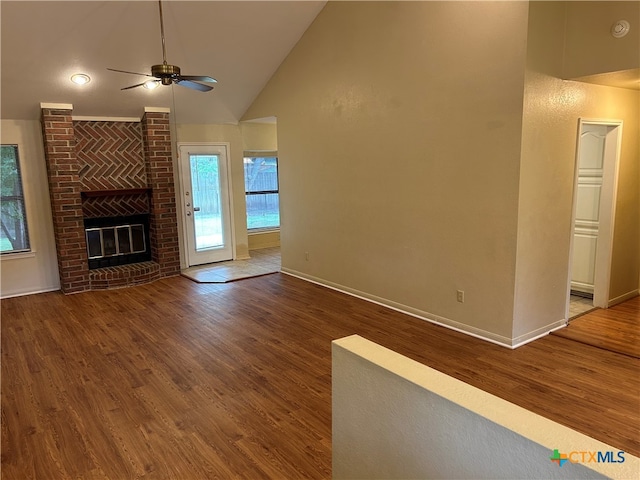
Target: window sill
x=259 y=231
x=17 y=255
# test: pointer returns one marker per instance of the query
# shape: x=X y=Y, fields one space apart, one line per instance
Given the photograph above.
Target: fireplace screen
x=111 y=242
x=122 y=240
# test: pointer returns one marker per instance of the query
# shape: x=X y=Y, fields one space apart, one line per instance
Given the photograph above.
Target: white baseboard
x=22 y=293
x=422 y=315
x=623 y=298
x=539 y=333
x=511 y=343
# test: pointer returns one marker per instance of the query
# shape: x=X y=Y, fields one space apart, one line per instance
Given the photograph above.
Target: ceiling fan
x=166 y=74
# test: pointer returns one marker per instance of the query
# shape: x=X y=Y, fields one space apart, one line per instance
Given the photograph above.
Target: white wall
x=36 y=271
x=394 y=418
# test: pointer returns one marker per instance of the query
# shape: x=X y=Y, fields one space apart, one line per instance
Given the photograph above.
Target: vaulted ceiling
x=240 y=43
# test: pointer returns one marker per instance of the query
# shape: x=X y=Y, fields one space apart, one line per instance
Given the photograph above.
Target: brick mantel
x=136 y=172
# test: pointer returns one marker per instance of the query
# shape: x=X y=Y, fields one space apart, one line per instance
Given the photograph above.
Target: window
x=13 y=221
x=261 y=187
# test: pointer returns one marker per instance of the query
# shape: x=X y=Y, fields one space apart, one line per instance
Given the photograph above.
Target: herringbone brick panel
x=115 y=205
x=110 y=155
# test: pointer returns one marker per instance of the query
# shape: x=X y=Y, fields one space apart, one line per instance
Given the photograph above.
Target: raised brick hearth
x=124 y=275
x=108 y=169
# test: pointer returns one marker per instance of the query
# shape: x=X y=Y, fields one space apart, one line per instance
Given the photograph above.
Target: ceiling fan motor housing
x=166 y=73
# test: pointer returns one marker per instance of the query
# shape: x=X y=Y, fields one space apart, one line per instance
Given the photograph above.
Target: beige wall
x=590 y=48
x=399 y=145
x=36 y=271
x=552 y=108
x=258 y=136
x=264 y=240
x=416 y=163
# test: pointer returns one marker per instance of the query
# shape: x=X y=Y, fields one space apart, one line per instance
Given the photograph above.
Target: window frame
x=262 y=154
x=21 y=198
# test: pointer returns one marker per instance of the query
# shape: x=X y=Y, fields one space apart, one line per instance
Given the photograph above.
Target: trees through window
x=14 y=236
x=262 y=194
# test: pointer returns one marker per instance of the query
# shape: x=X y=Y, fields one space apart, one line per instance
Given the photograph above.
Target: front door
x=206 y=203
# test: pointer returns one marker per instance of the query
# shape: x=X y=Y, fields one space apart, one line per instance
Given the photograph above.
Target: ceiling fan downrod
x=165 y=71
x=164 y=50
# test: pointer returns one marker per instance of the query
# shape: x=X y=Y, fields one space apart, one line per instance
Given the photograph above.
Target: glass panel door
x=207 y=214
x=206 y=204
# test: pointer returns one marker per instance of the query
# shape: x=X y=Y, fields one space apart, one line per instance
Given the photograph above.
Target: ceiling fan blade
x=199 y=78
x=192 y=85
x=133 y=86
x=132 y=73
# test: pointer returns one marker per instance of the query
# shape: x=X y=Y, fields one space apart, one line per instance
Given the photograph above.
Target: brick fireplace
x=107 y=172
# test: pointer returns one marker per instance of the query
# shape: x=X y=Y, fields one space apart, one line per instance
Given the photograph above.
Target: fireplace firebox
x=113 y=241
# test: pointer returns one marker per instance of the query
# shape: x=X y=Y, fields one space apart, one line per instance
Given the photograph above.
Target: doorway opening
x=594 y=199
x=206 y=202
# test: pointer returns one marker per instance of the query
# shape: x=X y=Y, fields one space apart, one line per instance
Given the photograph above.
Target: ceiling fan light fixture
x=80 y=78
x=150 y=84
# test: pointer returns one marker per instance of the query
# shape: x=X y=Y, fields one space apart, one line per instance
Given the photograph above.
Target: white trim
x=157 y=110
x=27 y=195
x=84 y=118
x=539 y=333
x=17 y=255
x=260 y=153
x=31 y=292
x=260 y=231
x=57 y=106
x=607 y=209
x=623 y=298
x=226 y=146
x=429 y=317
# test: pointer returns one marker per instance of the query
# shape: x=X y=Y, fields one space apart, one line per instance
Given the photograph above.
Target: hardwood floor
x=616 y=329
x=184 y=380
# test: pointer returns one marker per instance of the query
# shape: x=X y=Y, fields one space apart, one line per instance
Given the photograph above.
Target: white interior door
x=587 y=220
x=598 y=156
x=206 y=202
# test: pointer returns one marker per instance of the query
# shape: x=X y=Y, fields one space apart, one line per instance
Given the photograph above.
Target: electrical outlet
x=460 y=296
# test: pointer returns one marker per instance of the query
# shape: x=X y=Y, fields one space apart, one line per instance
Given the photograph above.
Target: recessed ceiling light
x=150 y=84
x=80 y=78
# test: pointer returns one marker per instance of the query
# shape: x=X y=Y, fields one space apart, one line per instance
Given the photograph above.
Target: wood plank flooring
x=616 y=329
x=183 y=380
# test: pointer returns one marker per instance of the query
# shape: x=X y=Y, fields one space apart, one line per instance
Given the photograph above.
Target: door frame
x=608 y=197
x=181 y=192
